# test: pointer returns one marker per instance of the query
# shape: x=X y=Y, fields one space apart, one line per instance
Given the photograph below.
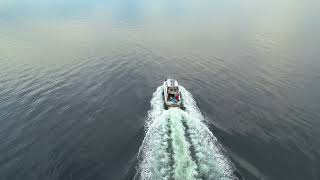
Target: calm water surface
x=76 y=79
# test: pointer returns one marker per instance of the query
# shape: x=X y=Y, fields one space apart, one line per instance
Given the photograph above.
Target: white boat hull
x=171 y=102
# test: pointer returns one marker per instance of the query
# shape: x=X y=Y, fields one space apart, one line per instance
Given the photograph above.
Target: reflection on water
x=76 y=79
x=51 y=31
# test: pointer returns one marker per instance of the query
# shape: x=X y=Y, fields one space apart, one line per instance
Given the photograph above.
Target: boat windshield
x=173 y=90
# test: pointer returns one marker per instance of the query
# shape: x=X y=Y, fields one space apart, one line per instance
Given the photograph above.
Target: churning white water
x=178 y=144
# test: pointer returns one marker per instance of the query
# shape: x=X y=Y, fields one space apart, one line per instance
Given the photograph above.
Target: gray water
x=77 y=78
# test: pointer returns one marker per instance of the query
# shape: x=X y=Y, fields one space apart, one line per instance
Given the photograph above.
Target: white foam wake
x=184 y=166
x=179 y=145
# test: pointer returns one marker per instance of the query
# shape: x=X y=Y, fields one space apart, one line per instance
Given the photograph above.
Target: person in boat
x=171 y=97
x=178 y=97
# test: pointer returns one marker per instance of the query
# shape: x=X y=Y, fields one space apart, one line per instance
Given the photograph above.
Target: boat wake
x=178 y=144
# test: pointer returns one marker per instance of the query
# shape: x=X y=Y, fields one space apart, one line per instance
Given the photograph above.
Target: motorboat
x=172 y=94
